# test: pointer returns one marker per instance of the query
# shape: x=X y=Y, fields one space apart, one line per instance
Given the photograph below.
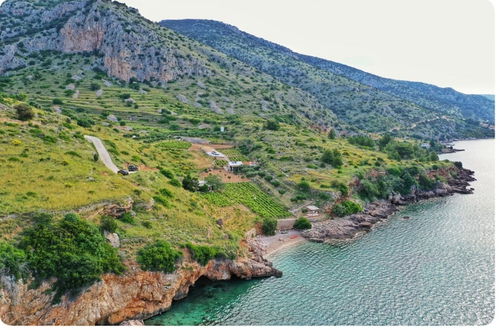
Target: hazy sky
x=449 y=43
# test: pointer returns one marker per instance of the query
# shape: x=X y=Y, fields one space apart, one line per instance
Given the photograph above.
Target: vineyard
x=251 y=196
x=174 y=144
x=235 y=155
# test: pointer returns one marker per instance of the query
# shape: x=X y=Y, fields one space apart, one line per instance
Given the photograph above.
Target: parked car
x=133 y=168
x=123 y=172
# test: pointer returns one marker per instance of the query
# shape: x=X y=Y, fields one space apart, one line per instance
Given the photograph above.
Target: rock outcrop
x=127 y=45
x=332 y=231
x=123 y=299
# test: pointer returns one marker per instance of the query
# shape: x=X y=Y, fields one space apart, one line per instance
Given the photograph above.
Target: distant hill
x=489 y=96
x=364 y=100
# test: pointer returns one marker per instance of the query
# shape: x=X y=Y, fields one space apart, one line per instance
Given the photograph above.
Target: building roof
x=312 y=208
x=233 y=164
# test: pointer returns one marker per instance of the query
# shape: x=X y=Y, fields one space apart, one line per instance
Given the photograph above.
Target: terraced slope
x=361 y=99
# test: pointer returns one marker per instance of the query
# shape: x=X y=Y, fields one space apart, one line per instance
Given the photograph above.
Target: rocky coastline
x=126 y=299
x=350 y=227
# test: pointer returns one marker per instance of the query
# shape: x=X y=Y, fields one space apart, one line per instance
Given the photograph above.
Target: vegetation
x=24 y=112
x=346 y=207
x=269 y=226
x=302 y=223
x=203 y=253
x=71 y=250
x=12 y=260
x=159 y=256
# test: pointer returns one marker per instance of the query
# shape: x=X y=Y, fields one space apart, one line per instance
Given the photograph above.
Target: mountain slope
x=110 y=37
x=363 y=100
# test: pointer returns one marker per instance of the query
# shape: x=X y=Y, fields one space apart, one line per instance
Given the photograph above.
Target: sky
x=449 y=43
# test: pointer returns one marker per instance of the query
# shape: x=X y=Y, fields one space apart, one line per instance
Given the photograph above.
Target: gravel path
x=103 y=153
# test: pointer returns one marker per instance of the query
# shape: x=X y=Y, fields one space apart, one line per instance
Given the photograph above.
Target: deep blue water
x=436 y=268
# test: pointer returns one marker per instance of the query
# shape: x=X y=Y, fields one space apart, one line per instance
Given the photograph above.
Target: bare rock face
x=117 y=299
x=129 y=46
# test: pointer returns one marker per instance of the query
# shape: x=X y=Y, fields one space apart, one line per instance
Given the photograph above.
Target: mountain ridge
x=327 y=81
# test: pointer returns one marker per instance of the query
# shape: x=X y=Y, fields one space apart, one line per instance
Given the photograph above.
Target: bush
x=332 y=157
x=269 y=226
x=71 y=250
x=190 y=183
x=272 y=125
x=57 y=101
x=167 y=173
x=95 y=86
x=12 y=260
x=302 y=223
x=127 y=218
x=158 y=256
x=341 y=187
x=24 y=112
x=347 y=208
x=109 y=224
x=203 y=253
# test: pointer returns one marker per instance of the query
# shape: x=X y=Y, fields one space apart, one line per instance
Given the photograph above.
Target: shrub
x=302 y=223
x=269 y=226
x=127 y=218
x=341 y=187
x=147 y=224
x=158 y=256
x=11 y=260
x=24 y=112
x=57 y=101
x=272 y=125
x=214 y=183
x=71 y=250
x=165 y=192
x=347 y=208
x=190 y=183
x=108 y=224
x=202 y=253
x=95 y=86
x=332 y=157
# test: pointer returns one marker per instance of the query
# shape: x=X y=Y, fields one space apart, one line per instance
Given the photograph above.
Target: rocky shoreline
x=350 y=227
x=122 y=299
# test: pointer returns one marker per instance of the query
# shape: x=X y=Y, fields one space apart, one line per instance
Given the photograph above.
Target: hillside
x=212 y=151
x=116 y=41
x=364 y=100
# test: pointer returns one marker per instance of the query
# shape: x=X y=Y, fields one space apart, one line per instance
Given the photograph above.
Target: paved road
x=103 y=153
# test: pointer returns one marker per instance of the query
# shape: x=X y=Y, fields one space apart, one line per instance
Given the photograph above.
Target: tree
x=302 y=223
x=272 y=125
x=24 y=112
x=214 y=183
x=332 y=157
x=384 y=141
x=332 y=134
x=269 y=226
x=95 y=86
x=190 y=183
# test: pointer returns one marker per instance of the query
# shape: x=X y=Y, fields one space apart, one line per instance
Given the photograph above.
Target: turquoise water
x=436 y=268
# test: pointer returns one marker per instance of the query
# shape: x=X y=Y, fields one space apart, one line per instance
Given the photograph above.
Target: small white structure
x=222 y=129
x=215 y=153
x=234 y=166
x=312 y=211
x=425 y=145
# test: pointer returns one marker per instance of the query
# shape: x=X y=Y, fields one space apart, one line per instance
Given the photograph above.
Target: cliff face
x=135 y=295
x=129 y=46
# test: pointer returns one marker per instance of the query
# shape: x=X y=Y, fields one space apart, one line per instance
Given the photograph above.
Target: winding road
x=103 y=153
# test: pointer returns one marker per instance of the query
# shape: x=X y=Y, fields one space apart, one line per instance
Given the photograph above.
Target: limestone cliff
x=129 y=46
x=135 y=295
